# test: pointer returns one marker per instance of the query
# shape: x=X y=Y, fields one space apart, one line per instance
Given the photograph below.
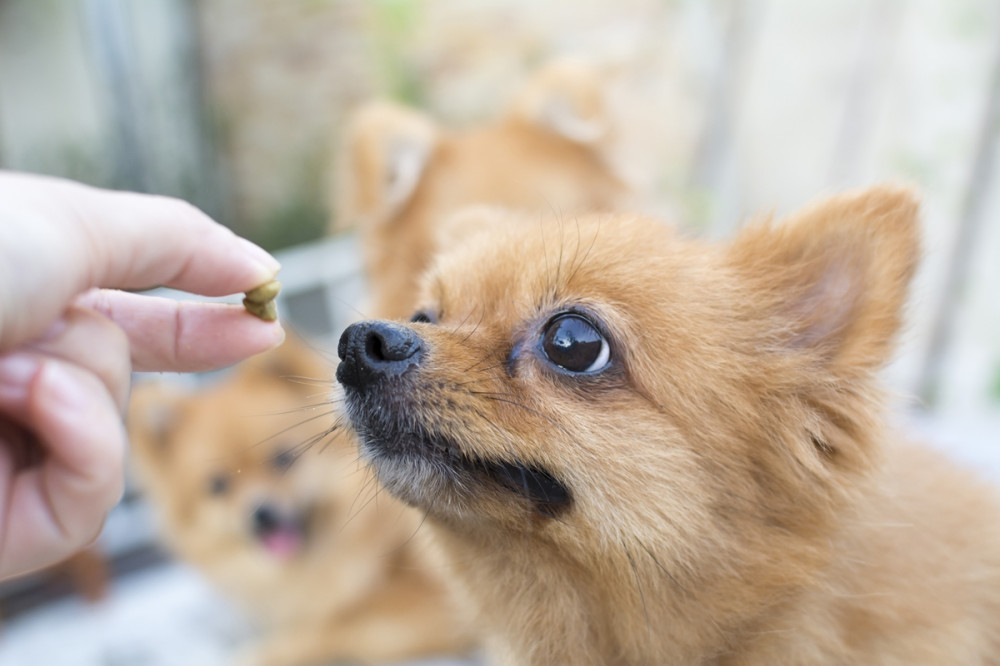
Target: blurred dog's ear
x=154 y=408
x=382 y=159
x=565 y=97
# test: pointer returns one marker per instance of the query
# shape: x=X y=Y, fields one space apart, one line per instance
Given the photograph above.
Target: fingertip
x=267 y=267
x=273 y=335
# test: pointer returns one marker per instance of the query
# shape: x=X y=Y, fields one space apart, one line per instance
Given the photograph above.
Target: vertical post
x=969 y=228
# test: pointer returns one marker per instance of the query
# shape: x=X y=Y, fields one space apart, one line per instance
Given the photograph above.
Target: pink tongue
x=283 y=543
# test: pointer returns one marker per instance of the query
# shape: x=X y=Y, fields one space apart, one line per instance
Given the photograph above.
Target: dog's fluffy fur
x=724 y=490
x=400 y=173
x=284 y=522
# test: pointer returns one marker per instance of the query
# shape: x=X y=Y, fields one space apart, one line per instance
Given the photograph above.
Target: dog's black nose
x=369 y=350
x=265 y=519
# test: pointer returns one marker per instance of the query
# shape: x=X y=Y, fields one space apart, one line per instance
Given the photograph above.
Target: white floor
x=162 y=617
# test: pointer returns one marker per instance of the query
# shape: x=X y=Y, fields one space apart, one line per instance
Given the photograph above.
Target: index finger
x=67 y=238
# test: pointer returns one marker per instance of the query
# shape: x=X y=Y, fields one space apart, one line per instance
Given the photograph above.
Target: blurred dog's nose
x=265 y=519
x=369 y=350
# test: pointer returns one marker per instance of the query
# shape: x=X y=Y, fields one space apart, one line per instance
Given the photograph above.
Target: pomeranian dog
x=400 y=173
x=635 y=448
x=278 y=514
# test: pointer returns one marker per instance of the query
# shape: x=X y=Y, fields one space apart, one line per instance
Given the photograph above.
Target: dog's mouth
x=531 y=482
x=439 y=462
x=406 y=425
x=282 y=534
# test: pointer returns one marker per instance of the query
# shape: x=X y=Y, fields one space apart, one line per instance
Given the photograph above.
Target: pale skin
x=69 y=340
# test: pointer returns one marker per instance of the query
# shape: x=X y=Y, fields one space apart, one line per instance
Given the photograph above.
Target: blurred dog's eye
x=218 y=484
x=283 y=459
x=423 y=317
x=574 y=344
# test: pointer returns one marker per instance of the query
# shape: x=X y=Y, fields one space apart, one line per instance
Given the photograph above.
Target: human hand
x=69 y=342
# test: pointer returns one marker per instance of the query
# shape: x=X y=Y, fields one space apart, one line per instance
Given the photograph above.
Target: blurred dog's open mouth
x=281 y=534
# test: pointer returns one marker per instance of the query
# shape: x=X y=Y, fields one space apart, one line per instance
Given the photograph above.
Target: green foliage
x=995 y=384
x=300 y=220
x=393 y=24
x=302 y=216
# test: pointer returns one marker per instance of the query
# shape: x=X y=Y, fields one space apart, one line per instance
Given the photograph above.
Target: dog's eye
x=218 y=485
x=423 y=317
x=574 y=344
x=283 y=459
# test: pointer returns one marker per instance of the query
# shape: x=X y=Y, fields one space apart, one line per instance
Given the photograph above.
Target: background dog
x=401 y=173
x=255 y=489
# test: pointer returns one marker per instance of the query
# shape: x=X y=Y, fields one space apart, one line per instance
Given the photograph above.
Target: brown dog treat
x=266 y=311
x=259 y=301
x=264 y=293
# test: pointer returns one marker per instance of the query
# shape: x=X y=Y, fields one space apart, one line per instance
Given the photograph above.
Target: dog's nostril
x=386 y=343
x=374 y=347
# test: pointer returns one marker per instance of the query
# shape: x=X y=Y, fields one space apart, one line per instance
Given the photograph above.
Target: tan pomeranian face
x=586 y=362
x=248 y=477
x=519 y=374
x=246 y=466
x=604 y=401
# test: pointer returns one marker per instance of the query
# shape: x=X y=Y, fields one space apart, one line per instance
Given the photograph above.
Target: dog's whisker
x=662 y=568
x=530 y=410
x=370 y=484
x=294 y=426
x=638 y=587
x=474 y=328
x=300 y=409
x=583 y=260
x=460 y=324
x=316 y=381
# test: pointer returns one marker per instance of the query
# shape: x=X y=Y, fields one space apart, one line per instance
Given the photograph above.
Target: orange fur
x=401 y=173
x=357 y=586
x=724 y=491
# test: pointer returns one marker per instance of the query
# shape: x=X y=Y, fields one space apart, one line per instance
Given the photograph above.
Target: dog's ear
x=833 y=279
x=565 y=97
x=382 y=159
x=154 y=408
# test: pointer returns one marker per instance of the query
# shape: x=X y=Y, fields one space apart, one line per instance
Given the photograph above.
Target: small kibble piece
x=259 y=301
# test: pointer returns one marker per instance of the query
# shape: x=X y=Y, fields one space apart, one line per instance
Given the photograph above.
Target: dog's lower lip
x=548 y=495
x=375 y=414
x=541 y=488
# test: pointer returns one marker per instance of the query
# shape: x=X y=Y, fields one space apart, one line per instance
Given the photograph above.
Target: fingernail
x=16 y=372
x=53 y=331
x=64 y=389
x=17 y=368
x=281 y=335
x=269 y=266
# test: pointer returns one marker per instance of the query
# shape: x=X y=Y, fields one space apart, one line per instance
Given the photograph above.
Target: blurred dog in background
x=401 y=174
x=255 y=489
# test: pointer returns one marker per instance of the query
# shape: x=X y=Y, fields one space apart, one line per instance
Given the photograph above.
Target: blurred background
x=724 y=109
